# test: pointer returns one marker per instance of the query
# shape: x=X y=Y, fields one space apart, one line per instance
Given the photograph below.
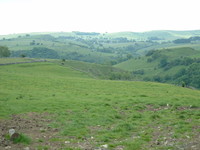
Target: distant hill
x=160 y=34
x=168 y=65
x=157 y=35
x=101 y=48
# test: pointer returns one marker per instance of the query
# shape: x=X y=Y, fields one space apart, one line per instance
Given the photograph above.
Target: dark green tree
x=163 y=62
x=129 y=56
x=23 y=55
x=4 y=51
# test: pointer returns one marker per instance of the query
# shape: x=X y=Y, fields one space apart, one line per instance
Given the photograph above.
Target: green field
x=16 y=60
x=67 y=109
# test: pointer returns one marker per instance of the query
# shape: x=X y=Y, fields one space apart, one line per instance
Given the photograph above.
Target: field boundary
x=23 y=62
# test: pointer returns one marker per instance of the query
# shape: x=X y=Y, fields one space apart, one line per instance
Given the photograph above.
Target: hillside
x=99 y=71
x=56 y=107
x=102 y=48
x=167 y=65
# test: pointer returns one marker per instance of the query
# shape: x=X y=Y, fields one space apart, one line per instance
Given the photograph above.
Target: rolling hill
x=167 y=65
x=58 y=107
x=102 y=48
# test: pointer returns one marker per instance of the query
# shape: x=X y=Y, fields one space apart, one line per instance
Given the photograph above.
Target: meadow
x=88 y=113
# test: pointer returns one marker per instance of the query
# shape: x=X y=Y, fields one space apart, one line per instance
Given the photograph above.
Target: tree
x=4 y=51
x=163 y=62
x=23 y=55
x=183 y=84
x=129 y=56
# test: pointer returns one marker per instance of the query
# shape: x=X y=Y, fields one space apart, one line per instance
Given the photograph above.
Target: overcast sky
x=20 y=16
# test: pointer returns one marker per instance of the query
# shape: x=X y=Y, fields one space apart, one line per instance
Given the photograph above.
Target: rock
x=97 y=148
x=8 y=147
x=11 y=132
x=187 y=136
x=26 y=148
x=67 y=142
x=194 y=146
x=14 y=136
x=104 y=146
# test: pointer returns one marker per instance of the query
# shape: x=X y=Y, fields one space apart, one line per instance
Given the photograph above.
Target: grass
x=94 y=70
x=86 y=47
x=22 y=139
x=15 y=60
x=152 y=68
x=118 y=113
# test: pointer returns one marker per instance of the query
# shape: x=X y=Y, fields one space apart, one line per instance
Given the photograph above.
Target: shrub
x=22 y=139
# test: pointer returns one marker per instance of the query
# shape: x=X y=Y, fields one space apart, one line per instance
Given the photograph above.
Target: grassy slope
x=118 y=113
x=151 y=68
x=94 y=70
x=15 y=60
x=62 y=46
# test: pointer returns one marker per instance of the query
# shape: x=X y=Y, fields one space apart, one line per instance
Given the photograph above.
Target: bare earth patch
x=36 y=126
x=33 y=125
x=163 y=137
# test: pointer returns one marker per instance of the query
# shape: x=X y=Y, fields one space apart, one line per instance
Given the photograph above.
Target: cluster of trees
x=37 y=52
x=140 y=72
x=106 y=50
x=189 y=77
x=4 y=51
x=154 y=38
x=34 y=43
x=189 y=40
x=186 y=61
x=121 y=76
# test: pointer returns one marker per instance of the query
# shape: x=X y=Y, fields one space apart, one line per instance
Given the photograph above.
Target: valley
x=105 y=91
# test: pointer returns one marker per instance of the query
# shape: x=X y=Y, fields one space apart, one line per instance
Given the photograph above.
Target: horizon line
x=96 y=31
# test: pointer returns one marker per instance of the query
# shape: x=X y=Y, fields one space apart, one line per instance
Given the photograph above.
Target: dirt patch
x=33 y=125
x=36 y=127
x=180 y=108
x=153 y=108
x=164 y=138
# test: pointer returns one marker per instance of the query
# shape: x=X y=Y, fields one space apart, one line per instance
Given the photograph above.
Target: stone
x=8 y=147
x=26 y=148
x=104 y=146
x=11 y=132
x=67 y=142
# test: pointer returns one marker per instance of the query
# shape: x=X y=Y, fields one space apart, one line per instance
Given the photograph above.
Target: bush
x=141 y=72
x=149 y=53
x=4 y=51
x=157 y=78
x=163 y=62
x=20 y=139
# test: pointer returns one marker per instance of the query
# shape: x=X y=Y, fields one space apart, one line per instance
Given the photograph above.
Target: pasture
x=61 y=108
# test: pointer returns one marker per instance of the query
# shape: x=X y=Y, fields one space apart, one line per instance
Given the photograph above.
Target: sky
x=25 y=16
